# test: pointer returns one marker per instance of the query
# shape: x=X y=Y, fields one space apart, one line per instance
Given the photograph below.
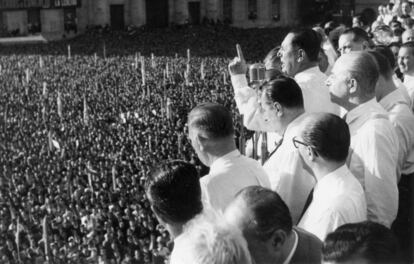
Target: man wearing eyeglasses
x=338 y=197
x=373 y=158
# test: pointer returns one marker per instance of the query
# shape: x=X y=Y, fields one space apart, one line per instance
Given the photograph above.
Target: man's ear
x=352 y=86
x=311 y=153
x=301 y=55
x=279 y=109
x=278 y=239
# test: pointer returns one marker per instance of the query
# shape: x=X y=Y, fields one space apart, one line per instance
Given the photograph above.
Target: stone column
x=171 y=11
x=264 y=8
x=100 y=12
x=137 y=12
x=239 y=12
x=212 y=9
x=181 y=11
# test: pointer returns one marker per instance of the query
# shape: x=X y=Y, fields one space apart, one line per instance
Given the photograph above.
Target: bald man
x=373 y=157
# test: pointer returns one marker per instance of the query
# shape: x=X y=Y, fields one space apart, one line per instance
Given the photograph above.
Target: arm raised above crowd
x=247 y=99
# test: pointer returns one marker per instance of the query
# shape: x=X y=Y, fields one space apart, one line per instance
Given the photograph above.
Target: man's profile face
x=337 y=82
x=346 y=44
x=406 y=60
x=270 y=114
x=288 y=56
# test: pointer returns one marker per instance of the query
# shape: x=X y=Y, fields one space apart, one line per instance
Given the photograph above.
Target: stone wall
x=16 y=20
x=97 y=12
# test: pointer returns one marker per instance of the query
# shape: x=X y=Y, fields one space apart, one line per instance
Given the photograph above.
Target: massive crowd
x=81 y=131
x=80 y=134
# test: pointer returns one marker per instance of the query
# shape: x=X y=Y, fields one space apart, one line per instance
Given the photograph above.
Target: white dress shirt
x=404 y=91
x=402 y=118
x=247 y=102
x=409 y=85
x=228 y=175
x=287 y=174
x=338 y=199
x=373 y=159
x=316 y=96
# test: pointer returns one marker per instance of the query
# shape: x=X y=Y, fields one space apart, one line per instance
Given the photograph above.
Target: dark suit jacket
x=308 y=249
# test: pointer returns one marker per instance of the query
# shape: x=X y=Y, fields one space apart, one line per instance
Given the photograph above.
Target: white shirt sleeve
x=247 y=102
x=377 y=158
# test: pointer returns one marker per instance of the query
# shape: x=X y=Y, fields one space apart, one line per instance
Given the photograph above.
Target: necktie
x=274 y=151
x=308 y=202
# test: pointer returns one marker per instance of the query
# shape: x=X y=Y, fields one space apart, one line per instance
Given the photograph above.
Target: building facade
x=31 y=16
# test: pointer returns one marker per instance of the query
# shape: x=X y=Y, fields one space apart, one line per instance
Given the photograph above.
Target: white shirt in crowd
x=287 y=174
x=316 y=96
x=228 y=175
x=373 y=159
x=402 y=118
x=285 y=167
x=338 y=199
x=409 y=85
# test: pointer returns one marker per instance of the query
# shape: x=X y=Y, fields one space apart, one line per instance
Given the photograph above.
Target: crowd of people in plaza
x=79 y=137
x=104 y=138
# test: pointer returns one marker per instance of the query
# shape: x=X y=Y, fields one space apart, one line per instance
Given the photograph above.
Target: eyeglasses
x=298 y=142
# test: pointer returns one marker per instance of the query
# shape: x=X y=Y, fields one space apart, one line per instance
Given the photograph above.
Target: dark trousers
x=403 y=226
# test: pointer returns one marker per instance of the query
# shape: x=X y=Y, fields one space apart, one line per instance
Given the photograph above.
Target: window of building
x=276 y=10
x=228 y=11
x=252 y=9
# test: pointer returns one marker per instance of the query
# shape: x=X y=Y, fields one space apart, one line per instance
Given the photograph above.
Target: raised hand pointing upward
x=238 y=64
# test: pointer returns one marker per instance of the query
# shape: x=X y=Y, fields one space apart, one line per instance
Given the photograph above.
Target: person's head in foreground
x=361 y=243
x=353 y=79
x=211 y=131
x=174 y=192
x=212 y=241
x=265 y=221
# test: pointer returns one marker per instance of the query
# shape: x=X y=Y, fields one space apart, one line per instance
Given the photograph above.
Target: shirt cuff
x=239 y=81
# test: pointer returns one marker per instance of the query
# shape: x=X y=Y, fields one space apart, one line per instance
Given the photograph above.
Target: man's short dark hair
x=328 y=135
x=383 y=63
x=367 y=240
x=387 y=53
x=269 y=211
x=174 y=191
x=308 y=40
x=408 y=45
x=285 y=91
x=213 y=119
x=358 y=34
